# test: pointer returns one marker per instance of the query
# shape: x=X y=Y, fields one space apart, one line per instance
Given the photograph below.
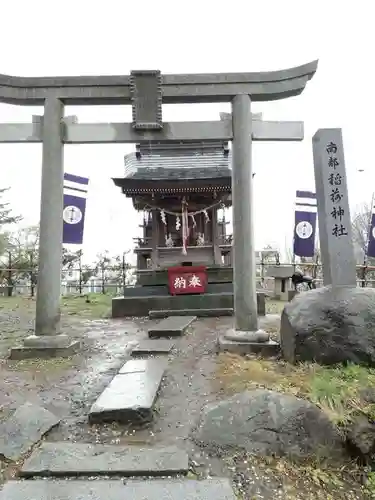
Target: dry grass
x=88 y=306
x=17 y=315
x=337 y=390
x=300 y=482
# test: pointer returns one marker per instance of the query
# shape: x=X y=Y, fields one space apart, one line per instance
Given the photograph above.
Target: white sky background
x=81 y=37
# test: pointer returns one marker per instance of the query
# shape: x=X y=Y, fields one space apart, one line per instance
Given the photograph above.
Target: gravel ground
x=69 y=387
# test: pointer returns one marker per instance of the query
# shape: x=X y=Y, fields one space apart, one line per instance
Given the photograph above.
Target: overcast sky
x=81 y=37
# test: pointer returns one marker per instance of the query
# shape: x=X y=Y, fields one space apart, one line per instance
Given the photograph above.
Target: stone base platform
x=139 y=305
x=56 y=346
x=270 y=348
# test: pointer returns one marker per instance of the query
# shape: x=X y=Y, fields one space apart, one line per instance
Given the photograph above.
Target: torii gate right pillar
x=245 y=302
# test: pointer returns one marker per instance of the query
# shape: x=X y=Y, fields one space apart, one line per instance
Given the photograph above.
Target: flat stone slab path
x=131 y=395
x=24 y=428
x=81 y=459
x=174 y=326
x=154 y=346
x=175 y=489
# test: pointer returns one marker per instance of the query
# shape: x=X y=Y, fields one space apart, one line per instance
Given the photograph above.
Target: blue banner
x=75 y=195
x=305 y=224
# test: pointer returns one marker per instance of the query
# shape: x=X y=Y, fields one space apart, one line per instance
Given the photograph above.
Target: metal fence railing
x=114 y=279
x=365 y=273
x=75 y=280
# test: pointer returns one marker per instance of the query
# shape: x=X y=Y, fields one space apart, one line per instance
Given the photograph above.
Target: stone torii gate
x=146 y=91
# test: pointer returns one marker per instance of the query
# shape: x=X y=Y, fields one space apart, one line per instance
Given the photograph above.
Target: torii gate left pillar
x=146 y=91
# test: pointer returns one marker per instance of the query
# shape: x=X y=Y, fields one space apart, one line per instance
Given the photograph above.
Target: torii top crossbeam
x=175 y=89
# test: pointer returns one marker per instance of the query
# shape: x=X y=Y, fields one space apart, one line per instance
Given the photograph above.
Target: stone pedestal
x=45 y=346
x=281 y=289
x=267 y=348
x=238 y=336
x=257 y=342
x=281 y=275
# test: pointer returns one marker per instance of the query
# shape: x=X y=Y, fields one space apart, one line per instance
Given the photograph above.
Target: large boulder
x=264 y=422
x=330 y=326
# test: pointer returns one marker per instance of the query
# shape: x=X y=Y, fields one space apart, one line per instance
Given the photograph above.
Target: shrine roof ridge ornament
x=183 y=88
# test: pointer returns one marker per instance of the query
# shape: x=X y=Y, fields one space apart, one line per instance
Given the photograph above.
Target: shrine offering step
x=174 y=326
x=140 y=305
x=200 y=313
x=157 y=489
x=154 y=346
x=81 y=459
x=131 y=394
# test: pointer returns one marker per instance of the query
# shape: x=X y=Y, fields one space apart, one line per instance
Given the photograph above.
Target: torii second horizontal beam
x=124 y=133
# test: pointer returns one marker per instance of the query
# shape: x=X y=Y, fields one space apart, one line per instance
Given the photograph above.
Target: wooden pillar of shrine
x=199 y=218
x=214 y=238
x=155 y=239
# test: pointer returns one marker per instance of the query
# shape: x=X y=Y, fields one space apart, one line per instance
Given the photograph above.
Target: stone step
x=157 y=489
x=200 y=313
x=141 y=305
x=174 y=326
x=83 y=459
x=153 y=346
x=131 y=395
x=24 y=428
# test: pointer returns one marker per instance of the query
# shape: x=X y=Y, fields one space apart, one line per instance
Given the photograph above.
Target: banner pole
x=365 y=257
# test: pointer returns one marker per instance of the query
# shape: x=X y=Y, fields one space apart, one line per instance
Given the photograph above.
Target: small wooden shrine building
x=184 y=257
x=181 y=188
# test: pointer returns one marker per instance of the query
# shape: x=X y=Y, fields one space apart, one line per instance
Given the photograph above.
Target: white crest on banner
x=72 y=215
x=304 y=230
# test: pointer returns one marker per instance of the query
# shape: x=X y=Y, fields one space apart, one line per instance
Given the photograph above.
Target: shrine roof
x=168 y=162
x=132 y=186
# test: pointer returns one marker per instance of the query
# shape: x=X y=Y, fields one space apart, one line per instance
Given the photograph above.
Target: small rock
x=361 y=437
x=368 y=395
